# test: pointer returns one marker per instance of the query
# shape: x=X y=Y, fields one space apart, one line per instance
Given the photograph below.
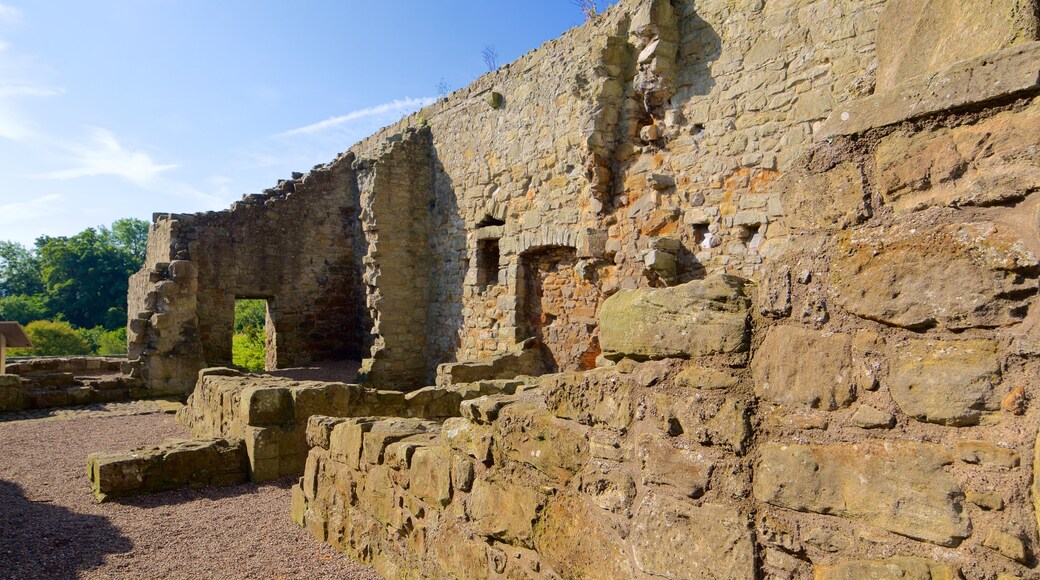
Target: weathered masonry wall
x=765 y=273
x=297 y=246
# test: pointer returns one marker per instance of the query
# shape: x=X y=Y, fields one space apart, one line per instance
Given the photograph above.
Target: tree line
x=70 y=291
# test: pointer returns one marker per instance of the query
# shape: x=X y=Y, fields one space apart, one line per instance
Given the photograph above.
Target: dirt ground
x=51 y=527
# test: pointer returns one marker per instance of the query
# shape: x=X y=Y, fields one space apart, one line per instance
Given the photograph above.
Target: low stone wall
x=172 y=465
x=740 y=456
x=62 y=381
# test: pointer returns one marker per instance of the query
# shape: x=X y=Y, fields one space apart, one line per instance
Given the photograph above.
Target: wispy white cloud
x=103 y=154
x=28 y=90
x=19 y=211
x=396 y=106
x=9 y=13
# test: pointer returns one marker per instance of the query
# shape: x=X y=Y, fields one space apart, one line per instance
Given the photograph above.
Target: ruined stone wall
x=656 y=120
x=852 y=400
x=297 y=246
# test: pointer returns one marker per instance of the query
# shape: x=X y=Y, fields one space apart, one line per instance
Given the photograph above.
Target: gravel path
x=51 y=527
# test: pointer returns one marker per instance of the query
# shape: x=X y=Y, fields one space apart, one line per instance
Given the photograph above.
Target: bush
x=112 y=342
x=248 y=351
x=53 y=338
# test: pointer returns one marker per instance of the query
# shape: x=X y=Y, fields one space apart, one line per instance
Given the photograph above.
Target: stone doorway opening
x=559 y=307
x=252 y=340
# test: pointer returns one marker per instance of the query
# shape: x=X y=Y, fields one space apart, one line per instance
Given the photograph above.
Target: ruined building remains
x=714 y=289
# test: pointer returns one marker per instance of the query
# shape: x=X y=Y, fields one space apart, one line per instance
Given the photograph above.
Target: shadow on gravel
x=40 y=540
x=178 y=496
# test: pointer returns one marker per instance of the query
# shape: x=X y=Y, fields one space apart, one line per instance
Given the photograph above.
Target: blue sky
x=121 y=108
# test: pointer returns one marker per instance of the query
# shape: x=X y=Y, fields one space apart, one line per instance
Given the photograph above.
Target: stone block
x=922 y=38
x=688 y=471
x=830 y=200
x=12 y=397
x=673 y=538
x=577 y=541
x=505 y=509
x=695 y=376
x=918 y=277
x=267 y=406
x=899 y=486
x=429 y=477
x=904 y=567
x=468 y=437
x=1007 y=545
x=698 y=318
x=529 y=434
x=800 y=366
x=987 y=454
x=950 y=382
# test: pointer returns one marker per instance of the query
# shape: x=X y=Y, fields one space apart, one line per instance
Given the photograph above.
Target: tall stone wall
x=797 y=239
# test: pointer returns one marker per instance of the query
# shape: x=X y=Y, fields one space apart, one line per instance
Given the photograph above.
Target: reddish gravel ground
x=51 y=527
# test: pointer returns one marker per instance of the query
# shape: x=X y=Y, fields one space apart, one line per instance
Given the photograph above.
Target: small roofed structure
x=11 y=335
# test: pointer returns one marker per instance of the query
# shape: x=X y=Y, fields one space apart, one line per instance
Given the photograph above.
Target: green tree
x=24 y=309
x=19 y=270
x=85 y=276
x=53 y=338
x=249 y=344
x=130 y=235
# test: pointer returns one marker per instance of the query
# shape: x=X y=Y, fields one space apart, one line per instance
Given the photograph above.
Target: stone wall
x=298 y=246
x=797 y=239
x=43 y=382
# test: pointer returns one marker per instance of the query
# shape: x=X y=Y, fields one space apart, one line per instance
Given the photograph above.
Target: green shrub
x=53 y=338
x=112 y=342
x=248 y=351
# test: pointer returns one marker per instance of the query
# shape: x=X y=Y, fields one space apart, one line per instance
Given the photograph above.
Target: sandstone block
x=901 y=487
x=529 y=434
x=987 y=454
x=430 y=475
x=868 y=417
x=1011 y=546
x=677 y=539
x=946 y=382
x=468 y=437
x=904 y=567
x=918 y=277
x=694 y=319
x=993 y=161
x=919 y=38
x=695 y=376
x=12 y=398
x=987 y=500
x=578 y=542
x=267 y=406
x=688 y=471
x=797 y=365
x=505 y=509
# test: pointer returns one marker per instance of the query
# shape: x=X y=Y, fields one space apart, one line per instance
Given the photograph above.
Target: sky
x=122 y=108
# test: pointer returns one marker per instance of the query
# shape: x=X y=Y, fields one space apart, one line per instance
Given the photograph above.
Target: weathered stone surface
x=796 y=365
x=869 y=417
x=529 y=434
x=919 y=38
x=577 y=541
x=465 y=436
x=686 y=470
x=174 y=464
x=505 y=509
x=1011 y=546
x=901 y=487
x=693 y=319
x=916 y=277
x=677 y=539
x=999 y=74
x=987 y=454
x=993 y=161
x=987 y=500
x=829 y=200
x=12 y=398
x=903 y=567
x=430 y=475
x=946 y=382
x=695 y=376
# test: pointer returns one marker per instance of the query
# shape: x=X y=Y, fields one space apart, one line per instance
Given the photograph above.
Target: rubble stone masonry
x=764 y=273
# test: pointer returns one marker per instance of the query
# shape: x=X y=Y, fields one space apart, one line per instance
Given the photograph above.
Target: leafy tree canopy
x=19 y=270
